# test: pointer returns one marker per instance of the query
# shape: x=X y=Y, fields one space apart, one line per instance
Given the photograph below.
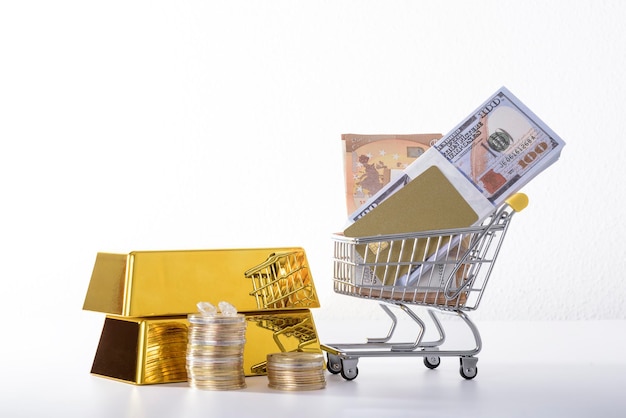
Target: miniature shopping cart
x=445 y=271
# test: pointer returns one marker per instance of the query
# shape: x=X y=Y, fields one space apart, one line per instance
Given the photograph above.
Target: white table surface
x=551 y=369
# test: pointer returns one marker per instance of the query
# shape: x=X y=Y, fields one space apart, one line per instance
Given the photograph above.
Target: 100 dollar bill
x=501 y=146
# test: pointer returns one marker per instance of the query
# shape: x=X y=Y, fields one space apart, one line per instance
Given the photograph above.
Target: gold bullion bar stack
x=147 y=297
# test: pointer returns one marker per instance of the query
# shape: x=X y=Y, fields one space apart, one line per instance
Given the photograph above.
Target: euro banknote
x=372 y=161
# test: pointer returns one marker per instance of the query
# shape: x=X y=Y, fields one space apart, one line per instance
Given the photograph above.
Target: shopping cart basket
x=443 y=270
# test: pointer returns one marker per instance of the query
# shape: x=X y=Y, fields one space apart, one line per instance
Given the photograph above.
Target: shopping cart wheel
x=333 y=364
x=468 y=368
x=349 y=370
x=432 y=362
x=350 y=374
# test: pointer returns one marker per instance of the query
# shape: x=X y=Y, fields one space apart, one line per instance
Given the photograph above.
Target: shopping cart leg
x=439 y=327
x=475 y=333
x=394 y=322
x=420 y=334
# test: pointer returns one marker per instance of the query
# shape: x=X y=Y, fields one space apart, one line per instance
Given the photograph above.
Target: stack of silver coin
x=215 y=351
x=296 y=371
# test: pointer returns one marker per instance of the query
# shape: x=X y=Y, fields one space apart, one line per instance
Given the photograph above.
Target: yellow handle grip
x=518 y=202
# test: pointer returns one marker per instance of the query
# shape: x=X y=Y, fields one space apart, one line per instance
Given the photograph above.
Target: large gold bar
x=146 y=351
x=165 y=283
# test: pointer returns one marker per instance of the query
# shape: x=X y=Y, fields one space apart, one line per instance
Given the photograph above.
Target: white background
x=194 y=125
x=137 y=125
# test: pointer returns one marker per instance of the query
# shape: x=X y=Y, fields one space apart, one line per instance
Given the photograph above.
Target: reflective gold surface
x=275 y=332
x=165 y=283
x=282 y=281
x=153 y=350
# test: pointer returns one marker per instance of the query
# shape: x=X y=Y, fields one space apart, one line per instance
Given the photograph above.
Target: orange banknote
x=372 y=161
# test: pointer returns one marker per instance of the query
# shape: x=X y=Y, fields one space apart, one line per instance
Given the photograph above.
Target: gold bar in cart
x=145 y=351
x=165 y=283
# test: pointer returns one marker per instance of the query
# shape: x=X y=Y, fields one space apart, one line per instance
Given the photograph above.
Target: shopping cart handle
x=518 y=202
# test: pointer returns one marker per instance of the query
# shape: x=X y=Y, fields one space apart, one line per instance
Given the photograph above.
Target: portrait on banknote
x=372 y=161
x=501 y=146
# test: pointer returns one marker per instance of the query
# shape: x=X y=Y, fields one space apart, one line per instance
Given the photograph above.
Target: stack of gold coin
x=215 y=351
x=296 y=371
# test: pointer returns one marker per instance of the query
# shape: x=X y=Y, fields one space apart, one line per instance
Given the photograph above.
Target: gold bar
x=142 y=351
x=166 y=283
x=146 y=351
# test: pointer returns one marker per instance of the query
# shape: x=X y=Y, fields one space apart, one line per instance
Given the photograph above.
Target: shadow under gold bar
x=166 y=283
x=152 y=350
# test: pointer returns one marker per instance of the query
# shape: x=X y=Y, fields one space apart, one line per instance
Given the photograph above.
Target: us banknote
x=501 y=146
